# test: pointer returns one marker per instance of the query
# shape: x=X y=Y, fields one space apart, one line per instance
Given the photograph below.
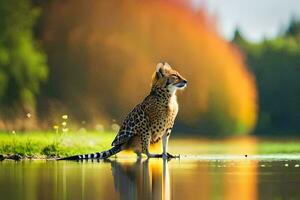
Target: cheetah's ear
x=166 y=66
x=159 y=70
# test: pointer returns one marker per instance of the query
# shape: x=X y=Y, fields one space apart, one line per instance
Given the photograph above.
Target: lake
x=204 y=174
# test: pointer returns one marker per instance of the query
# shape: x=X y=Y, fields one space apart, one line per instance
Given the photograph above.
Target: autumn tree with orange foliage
x=102 y=55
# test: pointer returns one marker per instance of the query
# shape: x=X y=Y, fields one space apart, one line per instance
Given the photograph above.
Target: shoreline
x=187 y=157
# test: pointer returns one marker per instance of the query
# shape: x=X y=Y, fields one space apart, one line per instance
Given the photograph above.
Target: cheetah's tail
x=99 y=155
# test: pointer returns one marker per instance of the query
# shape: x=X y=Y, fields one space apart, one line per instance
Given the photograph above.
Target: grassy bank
x=45 y=145
x=50 y=145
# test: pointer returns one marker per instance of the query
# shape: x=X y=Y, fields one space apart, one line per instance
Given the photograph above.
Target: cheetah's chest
x=165 y=120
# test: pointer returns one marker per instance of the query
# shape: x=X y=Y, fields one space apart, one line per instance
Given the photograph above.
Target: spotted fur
x=150 y=120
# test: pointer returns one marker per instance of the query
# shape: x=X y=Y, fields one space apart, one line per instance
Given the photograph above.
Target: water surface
x=202 y=175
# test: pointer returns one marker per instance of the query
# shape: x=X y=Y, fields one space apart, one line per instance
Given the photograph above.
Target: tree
x=109 y=50
x=22 y=63
x=293 y=29
x=275 y=63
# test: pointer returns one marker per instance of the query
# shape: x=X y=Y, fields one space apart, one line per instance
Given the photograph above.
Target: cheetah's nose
x=185 y=81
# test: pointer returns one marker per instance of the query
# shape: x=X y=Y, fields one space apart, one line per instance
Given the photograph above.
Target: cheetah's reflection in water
x=142 y=179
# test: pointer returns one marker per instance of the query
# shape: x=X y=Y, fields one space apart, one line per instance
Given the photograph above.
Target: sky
x=256 y=19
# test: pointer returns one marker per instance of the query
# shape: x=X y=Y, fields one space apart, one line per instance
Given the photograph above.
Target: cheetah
x=150 y=121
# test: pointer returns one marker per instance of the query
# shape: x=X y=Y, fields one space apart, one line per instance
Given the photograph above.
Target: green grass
x=275 y=147
x=47 y=145
x=43 y=145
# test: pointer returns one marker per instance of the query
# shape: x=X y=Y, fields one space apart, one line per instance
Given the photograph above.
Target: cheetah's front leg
x=165 y=140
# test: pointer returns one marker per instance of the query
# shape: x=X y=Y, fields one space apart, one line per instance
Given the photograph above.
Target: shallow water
x=231 y=169
x=207 y=177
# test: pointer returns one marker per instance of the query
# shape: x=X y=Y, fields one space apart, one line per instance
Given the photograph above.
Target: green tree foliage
x=293 y=29
x=22 y=63
x=276 y=64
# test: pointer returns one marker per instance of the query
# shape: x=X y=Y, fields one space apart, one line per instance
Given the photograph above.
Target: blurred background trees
x=276 y=65
x=101 y=55
x=22 y=63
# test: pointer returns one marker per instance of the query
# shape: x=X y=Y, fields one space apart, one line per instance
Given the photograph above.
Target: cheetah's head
x=167 y=78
